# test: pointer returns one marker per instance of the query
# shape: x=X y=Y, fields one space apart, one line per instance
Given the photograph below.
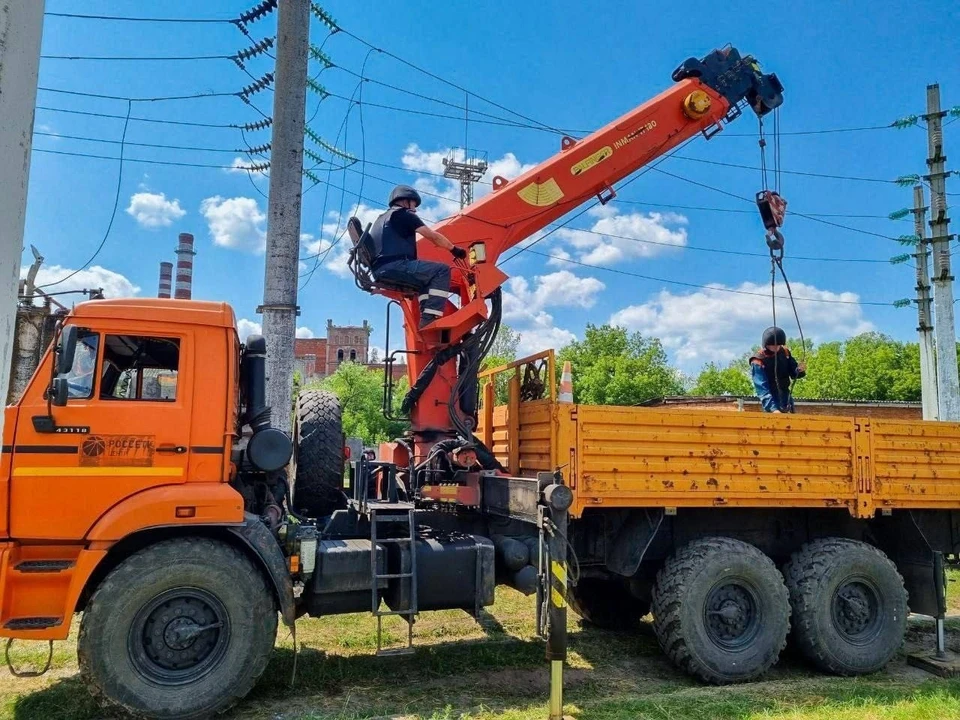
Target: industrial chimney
x=185 y=253
x=166 y=279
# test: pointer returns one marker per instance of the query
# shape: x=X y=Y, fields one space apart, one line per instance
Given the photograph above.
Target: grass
x=493 y=669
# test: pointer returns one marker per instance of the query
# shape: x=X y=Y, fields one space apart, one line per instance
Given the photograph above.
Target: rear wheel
x=607 y=604
x=720 y=610
x=849 y=605
x=319 y=459
x=182 y=629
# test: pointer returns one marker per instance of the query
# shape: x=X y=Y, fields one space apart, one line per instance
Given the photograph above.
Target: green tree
x=612 y=367
x=503 y=352
x=360 y=391
x=717 y=380
x=870 y=366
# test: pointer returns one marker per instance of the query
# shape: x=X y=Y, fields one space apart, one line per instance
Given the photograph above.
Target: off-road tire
x=113 y=654
x=607 y=604
x=819 y=576
x=319 y=454
x=692 y=588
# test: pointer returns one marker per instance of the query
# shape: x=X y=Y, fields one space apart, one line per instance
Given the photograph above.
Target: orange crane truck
x=143 y=485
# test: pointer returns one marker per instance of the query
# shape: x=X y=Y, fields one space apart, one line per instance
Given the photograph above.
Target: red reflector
x=346 y=451
x=188 y=511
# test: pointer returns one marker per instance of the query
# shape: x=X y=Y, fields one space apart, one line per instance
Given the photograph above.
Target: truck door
x=125 y=428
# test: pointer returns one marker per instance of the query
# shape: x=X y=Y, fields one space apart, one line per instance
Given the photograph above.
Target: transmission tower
x=467 y=167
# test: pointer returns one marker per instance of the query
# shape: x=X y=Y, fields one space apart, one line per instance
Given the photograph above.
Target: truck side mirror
x=67 y=349
x=59 y=392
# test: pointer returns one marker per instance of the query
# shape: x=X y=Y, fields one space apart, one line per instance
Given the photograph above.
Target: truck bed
x=643 y=457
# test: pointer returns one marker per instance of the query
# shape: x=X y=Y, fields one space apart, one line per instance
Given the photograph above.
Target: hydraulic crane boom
x=443 y=359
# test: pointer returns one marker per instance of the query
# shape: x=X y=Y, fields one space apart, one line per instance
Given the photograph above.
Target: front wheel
x=180 y=630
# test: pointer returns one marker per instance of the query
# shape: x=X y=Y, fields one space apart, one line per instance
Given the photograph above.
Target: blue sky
x=559 y=64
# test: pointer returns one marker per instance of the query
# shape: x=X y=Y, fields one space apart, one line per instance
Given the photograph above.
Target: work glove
x=458 y=253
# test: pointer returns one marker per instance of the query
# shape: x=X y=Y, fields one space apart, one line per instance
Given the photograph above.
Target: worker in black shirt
x=394 y=235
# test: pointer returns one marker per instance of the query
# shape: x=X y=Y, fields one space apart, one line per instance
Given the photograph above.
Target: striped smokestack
x=185 y=253
x=166 y=279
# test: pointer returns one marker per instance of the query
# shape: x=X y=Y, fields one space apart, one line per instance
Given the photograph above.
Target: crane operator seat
x=360 y=262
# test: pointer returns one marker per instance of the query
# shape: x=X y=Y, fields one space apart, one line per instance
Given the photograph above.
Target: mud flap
x=921 y=566
x=261 y=542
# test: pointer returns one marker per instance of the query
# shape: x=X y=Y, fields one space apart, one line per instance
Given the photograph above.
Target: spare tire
x=317 y=485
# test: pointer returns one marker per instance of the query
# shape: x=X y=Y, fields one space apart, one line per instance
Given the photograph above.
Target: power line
x=785 y=172
x=137 y=119
x=448 y=82
x=141 y=99
x=113 y=213
x=798 y=214
x=144 y=161
x=119 y=18
x=704 y=287
x=137 y=58
x=149 y=145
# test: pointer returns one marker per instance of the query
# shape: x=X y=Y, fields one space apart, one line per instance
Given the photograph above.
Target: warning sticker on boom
x=113 y=450
x=594 y=159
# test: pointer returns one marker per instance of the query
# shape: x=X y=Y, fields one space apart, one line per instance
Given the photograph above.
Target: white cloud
x=333 y=245
x=617 y=237
x=153 y=210
x=558 y=289
x=557 y=257
x=246 y=328
x=524 y=307
x=712 y=325
x=304 y=333
x=235 y=223
x=113 y=283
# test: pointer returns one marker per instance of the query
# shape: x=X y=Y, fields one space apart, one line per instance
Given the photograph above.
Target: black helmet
x=404 y=192
x=774 y=336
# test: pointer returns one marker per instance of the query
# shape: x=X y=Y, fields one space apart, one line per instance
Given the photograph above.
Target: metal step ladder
x=382 y=513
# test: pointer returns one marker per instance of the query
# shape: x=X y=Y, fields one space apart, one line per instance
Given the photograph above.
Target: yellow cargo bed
x=617 y=457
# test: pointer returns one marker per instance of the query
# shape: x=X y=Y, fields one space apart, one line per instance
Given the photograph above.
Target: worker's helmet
x=404 y=192
x=774 y=336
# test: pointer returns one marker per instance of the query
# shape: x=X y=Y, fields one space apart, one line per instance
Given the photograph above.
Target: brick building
x=886 y=409
x=319 y=357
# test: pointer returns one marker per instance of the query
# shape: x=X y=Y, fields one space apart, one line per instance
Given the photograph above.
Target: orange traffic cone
x=566 y=384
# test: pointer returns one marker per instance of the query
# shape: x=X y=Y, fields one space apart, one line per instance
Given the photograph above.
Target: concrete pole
x=21 y=27
x=279 y=307
x=948 y=384
x=928 y=353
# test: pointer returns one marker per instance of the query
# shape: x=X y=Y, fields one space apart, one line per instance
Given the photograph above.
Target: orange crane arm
x=707 y=93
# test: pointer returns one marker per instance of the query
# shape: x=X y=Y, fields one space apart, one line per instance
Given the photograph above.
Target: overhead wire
x=699 y=286
x=134 y=118
x=113 y=213
x=124 y=18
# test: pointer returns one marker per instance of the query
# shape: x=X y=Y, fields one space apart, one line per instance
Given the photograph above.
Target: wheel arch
x=252 y=538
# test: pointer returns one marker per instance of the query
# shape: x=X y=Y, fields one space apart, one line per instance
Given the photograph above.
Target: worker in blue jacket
x=773 y=370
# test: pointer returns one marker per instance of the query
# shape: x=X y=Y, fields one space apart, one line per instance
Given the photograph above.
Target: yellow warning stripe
x=97 y=471
x=557 y=598
x=559 y=572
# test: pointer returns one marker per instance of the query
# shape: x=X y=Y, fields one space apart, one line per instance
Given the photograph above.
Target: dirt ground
x=494 y=668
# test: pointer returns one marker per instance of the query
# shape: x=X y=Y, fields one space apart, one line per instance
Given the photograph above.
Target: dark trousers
x=432 y=280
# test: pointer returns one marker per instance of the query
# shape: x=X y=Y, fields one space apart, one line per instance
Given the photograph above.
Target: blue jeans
x=432 y=280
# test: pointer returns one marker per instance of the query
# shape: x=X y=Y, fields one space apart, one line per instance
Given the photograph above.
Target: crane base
x=947 y=666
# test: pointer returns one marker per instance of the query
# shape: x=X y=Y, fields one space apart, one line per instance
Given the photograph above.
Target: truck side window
x=140 y=368
x=81 y=375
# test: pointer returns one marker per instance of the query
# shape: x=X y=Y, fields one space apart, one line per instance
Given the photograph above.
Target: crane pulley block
x=772 y=207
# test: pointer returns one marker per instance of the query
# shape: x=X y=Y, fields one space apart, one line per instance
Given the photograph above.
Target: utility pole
x=948 y=384
x=928 y=357
x=280 y=307
x=21 y=27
